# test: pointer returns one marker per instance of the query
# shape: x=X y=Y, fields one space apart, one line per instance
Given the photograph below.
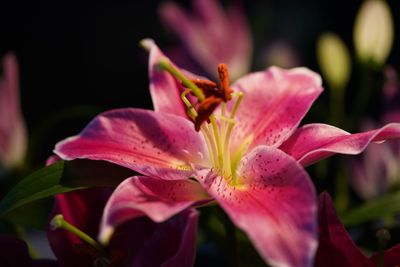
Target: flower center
x=216 y=127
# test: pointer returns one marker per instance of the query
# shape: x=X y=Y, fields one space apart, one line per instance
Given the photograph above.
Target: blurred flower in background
x=13 y=134
x=377 y=172
x=280 y=53
x=373 y=32
x=334 y=60
x=212 y=35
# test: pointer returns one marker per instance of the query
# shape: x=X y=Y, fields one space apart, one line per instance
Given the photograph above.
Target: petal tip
x=59 y=147
x=147 y=43
x=106 y=234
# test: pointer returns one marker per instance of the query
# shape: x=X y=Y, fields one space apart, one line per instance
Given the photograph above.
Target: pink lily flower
x=336 y=248
x=13 y=136
x=133 y=243
x=211 y=35
x=248 y=154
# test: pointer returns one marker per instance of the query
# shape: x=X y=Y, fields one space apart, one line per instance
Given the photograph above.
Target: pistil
x=167 y=66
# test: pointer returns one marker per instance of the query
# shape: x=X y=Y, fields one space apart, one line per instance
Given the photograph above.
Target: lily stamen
x=210 y=96
x=190 y=109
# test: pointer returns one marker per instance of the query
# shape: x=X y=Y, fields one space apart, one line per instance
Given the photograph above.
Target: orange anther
x=214 y=94
x=206 y=108
x=225 y=90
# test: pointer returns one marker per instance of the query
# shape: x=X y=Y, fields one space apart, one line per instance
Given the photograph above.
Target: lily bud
x=334 y=60
x=373 y=32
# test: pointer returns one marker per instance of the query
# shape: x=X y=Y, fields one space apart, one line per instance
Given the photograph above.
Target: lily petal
x=390 y=259
x=335 y=245
x=274 y=103
x=165 y=90
x=151 y=143
x=145 y=196
x=314 y=142
x=174 y=241
x=274 y=203
x=13 y=135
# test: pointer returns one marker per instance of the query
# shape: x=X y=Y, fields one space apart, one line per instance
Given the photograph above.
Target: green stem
x=230 y=231
x=342 y=192
x=383 y=237
x=20 y=230
x=59 y=222
x=337 y=107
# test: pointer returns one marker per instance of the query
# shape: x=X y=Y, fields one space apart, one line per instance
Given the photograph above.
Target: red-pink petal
x=174 y=242
x=165 y=90
x=275 y=204
x=151 y=143
x=391 y=257
x=145 y=196
x=314 y=142
x=335 y=245
x=274 y=103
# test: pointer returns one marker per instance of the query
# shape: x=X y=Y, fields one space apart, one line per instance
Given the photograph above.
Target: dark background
x=86 y=53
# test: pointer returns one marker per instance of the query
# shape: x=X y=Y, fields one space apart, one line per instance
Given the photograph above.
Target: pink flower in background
x=211 y=35
x=133 y=244
x=391 y=93
x=13 y=136
x=279 y=53
x=377 y=172
x=336 y=247
x=248 y=155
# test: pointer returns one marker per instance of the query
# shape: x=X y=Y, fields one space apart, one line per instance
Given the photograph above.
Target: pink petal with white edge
x=13 y=134
x=314 y=142
x=274 y=103
x=155 y=144
x=165 y=90
x=275 y=204
x=146 y=196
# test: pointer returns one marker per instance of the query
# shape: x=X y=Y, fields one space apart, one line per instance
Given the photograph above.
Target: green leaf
x=40 y=184
x=372 y=210
x=62 y=177
x=33 y=214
